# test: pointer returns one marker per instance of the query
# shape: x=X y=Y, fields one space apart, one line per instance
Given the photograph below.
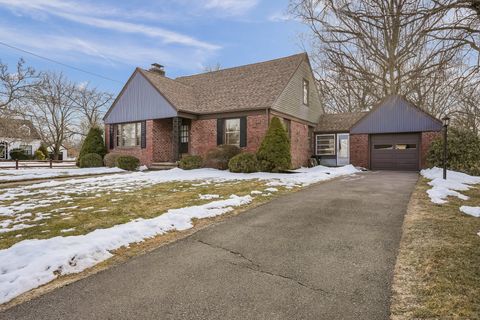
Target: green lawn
x=86 y=212
x=438 y=267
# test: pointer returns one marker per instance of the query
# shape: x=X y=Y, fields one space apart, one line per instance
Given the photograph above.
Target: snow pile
x=441 y=189
x=31 y=263
x=43 y=173
x=472 y=211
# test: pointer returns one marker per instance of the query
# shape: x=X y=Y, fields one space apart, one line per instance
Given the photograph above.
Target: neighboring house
x=17 y=133
x=157 y=119
x=394 y=135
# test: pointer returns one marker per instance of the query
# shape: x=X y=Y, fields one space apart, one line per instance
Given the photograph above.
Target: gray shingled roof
x=11 y=128
x=338 y=122
x=249 y=87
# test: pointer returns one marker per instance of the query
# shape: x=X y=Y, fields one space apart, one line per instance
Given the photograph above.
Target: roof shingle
x=338 y=122
x=12 y=128
x=248 y=87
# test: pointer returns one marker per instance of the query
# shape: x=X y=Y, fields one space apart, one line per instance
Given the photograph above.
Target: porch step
x=162 y=165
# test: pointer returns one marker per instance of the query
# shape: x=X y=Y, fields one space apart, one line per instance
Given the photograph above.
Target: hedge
x=93 y=143
x=219 y=157
x=463 y=151
x=110 y=159
x=91 y=160
x=189 y=162
x=129 y=163
x=243 y=162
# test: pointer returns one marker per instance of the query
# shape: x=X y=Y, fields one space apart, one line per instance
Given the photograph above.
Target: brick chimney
x=157 y=68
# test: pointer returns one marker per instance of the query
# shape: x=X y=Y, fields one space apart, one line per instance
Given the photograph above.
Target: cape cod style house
x=157 y=119
x=17 y=134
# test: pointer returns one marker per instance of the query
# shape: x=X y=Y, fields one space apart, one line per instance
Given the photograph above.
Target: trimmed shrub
x=274 y=152
x=463 y=151
x=129 y=163
x=219 y=157
x=91 y=160
x=110 y=159
x=93 y=143
x=19 y=154
x=243 y=162
x=43 y=149
x=39 y=155
x=189 y=162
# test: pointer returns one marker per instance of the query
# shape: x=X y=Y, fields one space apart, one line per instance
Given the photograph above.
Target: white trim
x=334 y=144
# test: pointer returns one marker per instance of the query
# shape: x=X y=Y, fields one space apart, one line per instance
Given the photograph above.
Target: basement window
x=325 y=144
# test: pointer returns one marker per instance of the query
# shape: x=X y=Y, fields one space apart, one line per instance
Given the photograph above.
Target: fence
x=17 y=164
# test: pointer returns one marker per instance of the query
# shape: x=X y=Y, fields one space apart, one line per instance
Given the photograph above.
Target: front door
x=343 y=149
x=184 y=136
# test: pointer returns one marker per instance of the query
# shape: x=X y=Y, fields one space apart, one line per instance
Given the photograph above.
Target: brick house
x=157 y=119
x=394 y=135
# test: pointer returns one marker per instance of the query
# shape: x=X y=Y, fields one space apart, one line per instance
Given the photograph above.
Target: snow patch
x=208 y=196
x=472 y=211
x=43 y=173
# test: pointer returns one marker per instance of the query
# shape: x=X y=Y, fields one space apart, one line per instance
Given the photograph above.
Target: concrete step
x=162 y=165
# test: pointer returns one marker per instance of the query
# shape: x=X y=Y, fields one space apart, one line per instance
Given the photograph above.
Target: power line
x=60 y=63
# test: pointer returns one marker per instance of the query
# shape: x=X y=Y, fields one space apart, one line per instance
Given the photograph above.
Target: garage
x=395 y=151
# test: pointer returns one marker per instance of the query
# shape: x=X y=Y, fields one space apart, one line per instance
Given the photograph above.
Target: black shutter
x=143 y=135
x=243 y=132
x=220 y=125
x=111 y=136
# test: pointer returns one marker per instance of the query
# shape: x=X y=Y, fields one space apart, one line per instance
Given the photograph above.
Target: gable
x=396 y=114
x=138 y=101
x=291 y=100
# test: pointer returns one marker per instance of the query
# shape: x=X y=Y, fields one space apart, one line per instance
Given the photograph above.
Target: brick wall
x=300 y=144
x=256 y=128
x=427 y=138
x=158 y=143
x=203 y=136
x=359 y=150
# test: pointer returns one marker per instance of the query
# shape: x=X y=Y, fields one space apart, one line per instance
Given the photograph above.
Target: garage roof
x=338 y=122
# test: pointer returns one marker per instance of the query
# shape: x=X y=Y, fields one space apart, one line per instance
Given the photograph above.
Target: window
x=27 y=148
x=184 y=133
x=232 y=132
x=3 y=150
x=129 y=134
x=405 y=146
x=306 y=92
x=325 y=144
x=383 y=147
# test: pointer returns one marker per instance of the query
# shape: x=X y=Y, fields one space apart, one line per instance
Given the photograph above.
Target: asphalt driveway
x=327 y=252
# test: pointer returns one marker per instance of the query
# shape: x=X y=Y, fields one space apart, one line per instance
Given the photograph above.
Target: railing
x=16 y=164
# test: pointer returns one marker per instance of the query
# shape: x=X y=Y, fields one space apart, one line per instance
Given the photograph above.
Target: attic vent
x=157 y=68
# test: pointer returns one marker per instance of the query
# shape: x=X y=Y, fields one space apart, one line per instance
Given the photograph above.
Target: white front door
x=343 y=149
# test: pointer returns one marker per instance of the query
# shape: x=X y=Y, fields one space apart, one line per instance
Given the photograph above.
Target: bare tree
x=52 y=110
x=15 y=87
x=90 y=104
x=212 y=67
x=374 y=48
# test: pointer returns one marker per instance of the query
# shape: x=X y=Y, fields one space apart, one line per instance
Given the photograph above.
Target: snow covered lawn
x=9 y=175
x=65 y=226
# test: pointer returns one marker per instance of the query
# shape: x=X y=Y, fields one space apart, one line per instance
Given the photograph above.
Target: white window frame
x=306 y=92
x=331 y=144
x=226 y=133
x=120 y=139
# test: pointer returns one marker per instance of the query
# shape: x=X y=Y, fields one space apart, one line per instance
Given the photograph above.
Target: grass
x=437 y=274
x=86 y=212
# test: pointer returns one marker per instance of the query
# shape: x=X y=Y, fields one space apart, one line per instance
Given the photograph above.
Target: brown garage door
x=395 y=151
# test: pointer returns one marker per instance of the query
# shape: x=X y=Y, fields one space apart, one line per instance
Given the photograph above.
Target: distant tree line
x=426 y=50
x=62 y=111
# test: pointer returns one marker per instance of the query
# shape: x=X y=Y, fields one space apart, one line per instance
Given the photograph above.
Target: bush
x=274 y=152
x=189 y=162
x=463 y=151
x=93 y=144
x=243 y=162
x=129 y=163
x=219 y=157
x=19 y=154
x=39 y=155
x=43 y=149
x=110 y=159
x=91 y=160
